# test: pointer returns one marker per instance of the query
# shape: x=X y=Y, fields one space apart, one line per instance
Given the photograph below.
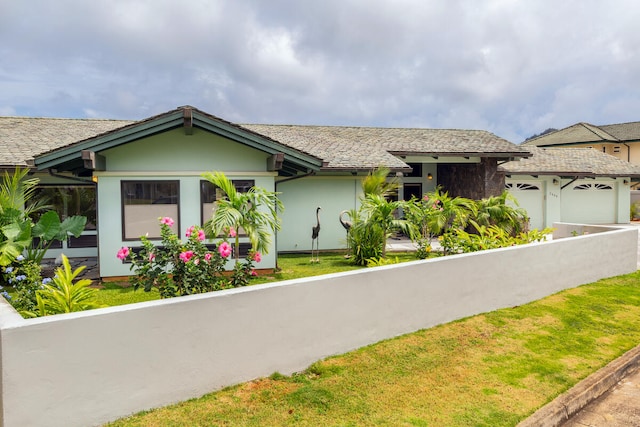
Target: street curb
x=565 y=406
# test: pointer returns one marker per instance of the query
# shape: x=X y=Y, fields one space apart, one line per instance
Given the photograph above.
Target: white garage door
x=530 y=197
x=589 y=202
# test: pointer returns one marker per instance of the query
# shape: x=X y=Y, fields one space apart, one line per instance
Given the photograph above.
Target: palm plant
x=376 y=219
x=377 y=182
x=498 y=211
x=381 y=211
x=448 y=212
x=244 y=211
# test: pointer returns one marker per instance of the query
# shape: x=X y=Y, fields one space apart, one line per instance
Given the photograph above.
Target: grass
x=488 y=370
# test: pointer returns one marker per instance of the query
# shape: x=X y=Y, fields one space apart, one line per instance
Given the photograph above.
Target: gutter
x=72 y=178
x=293 y=178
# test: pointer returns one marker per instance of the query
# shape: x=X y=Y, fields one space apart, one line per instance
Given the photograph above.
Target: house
x=621 y=140
x=124 y=175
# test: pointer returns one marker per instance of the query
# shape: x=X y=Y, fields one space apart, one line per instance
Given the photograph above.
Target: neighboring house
x=134 y=172
x=621 y=140
x=580 y=185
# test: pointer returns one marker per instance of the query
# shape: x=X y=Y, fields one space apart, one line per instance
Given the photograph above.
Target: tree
x=244 y=211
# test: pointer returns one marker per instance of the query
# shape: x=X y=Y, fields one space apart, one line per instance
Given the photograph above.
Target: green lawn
x=488 y=370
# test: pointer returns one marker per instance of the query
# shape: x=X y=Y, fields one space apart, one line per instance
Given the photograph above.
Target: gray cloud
x=513 y=67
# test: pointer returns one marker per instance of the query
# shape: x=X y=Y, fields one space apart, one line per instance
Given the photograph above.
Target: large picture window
x=209 y=193
x=69 y=200
x=143 y=202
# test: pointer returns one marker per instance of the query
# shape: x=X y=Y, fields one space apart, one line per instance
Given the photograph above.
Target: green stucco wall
x=171 y=156
x=175 y=151
x=301 y=197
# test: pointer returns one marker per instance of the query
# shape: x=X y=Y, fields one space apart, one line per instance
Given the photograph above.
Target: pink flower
x=207 y=257
x=167 y=220
x=190 y=230
x=123 y=253
x=196 y=261
x=425 y=198
x=201 y=235
x=253 y=273
x=224 y=249
x=186 y=256
x=152 y=257
x=257 y=257
x=232 y=232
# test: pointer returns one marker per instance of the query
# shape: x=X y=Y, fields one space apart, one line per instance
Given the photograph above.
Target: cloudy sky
x=513 y=67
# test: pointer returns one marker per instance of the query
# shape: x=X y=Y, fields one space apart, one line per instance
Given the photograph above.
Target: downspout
x=628 y=151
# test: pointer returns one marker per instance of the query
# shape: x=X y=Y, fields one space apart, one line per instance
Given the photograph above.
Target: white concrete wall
x=86 y=368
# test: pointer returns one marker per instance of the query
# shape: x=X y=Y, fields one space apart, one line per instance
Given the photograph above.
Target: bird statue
x=347 y=226
x=314 y=237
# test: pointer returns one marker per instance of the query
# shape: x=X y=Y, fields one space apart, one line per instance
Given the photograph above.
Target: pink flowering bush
x=184 y=268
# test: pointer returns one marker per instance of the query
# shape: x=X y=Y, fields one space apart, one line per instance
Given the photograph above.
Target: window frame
x=123 y=203
x=61 y=215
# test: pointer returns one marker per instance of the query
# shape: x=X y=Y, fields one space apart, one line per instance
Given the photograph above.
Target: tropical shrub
x=62 y=295
x=179 y=268
x=24 y=276
x=487 y=237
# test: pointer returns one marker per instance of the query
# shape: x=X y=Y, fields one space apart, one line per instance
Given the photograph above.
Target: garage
x=589 y=201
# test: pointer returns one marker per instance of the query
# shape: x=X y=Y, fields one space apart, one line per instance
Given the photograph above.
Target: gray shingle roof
x=22 y=138
x=363 y=147
x=582 y=133
x=571 y=162
x=340 y=148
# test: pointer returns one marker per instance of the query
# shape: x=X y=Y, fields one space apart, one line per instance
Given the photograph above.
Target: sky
x=512 y=67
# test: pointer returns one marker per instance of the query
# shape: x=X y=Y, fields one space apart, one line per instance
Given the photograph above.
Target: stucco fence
x=87 y=368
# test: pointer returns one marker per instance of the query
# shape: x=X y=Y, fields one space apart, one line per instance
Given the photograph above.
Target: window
x=412 y=189
x=593 y=186
x=69 y=200
x=616 y=149
x=416 y=171
x=143 y=202
x=209 y=193
x=523 y=186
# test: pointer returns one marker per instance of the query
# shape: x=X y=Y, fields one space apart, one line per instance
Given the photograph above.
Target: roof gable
x=69 y=157
x=578 y=133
